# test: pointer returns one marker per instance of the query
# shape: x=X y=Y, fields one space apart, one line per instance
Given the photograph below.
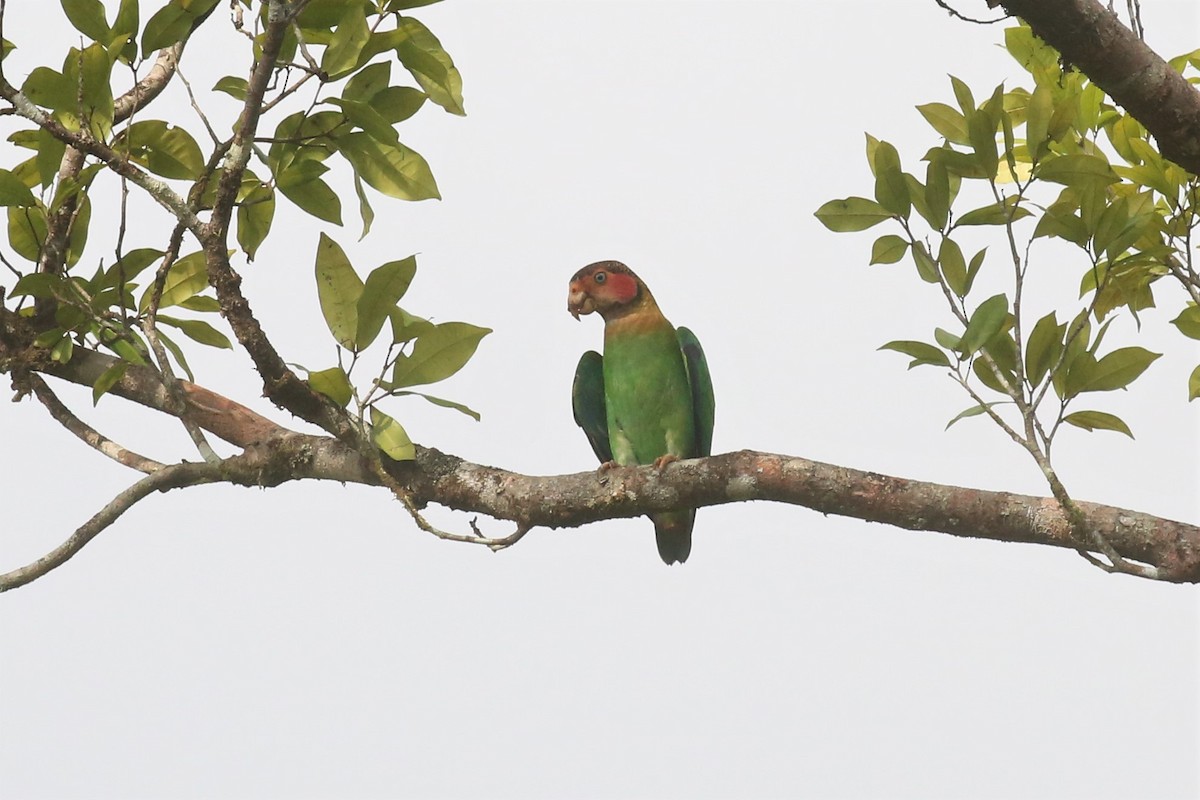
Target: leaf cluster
x=346 y=76
x=1057 y=161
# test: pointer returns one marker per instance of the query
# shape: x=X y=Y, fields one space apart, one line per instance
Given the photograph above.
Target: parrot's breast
x=647 y=395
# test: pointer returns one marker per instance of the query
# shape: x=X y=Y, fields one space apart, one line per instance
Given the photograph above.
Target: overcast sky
x=308 y=641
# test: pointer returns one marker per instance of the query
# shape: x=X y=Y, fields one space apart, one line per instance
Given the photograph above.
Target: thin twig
x=174 y=476
x=90 y=436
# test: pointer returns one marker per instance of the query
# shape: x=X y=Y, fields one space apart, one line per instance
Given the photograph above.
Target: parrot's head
x=607 y=287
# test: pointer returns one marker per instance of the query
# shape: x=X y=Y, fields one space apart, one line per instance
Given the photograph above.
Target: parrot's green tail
x=674 y=534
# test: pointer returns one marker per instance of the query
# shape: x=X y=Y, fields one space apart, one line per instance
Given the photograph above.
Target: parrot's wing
x=587 y=401
x=704 y=405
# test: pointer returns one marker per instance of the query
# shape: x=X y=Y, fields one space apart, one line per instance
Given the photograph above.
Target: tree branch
x=1093 y=39
x=276 y=455
x=172 y=477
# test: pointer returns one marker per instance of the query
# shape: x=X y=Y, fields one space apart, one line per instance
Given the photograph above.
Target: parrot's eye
x=600 y=277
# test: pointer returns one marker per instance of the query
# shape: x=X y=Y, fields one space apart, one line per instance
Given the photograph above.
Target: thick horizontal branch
x=558 y=501
x=1092 y=38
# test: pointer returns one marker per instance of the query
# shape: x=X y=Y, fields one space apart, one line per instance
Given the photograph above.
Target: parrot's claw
x=662 y=461
x=606 y=466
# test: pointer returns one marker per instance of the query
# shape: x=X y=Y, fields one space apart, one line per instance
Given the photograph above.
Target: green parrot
x=649 y=398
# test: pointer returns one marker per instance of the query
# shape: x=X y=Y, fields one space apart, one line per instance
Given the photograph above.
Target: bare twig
x=63 y=416
x=173 y=477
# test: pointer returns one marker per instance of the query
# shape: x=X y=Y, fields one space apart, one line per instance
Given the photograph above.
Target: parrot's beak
x=579 y=302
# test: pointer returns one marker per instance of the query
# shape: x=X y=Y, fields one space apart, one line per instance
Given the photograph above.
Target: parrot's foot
x=662 y=461
x=606 y=466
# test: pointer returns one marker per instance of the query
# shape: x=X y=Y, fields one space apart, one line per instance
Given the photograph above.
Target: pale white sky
x=308 y=641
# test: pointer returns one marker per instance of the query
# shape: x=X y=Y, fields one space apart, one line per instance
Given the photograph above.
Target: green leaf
x=438 y=401
x=125 y=26
x=398 y=103
x=1076 y=169
x=94 y=90
x=88 y=18
x=946 y=339
x=77 y=239
x=176 y=351
x=368 y=82
x=438 y=353
x=1043 y=348
x=962 y=93
x=890 y=188
x=1037 y=121
x=390 y=437
x=982 y=130
x=1116 y=370
x=233 y=86
x=363 y=115
x=985 y=323
x=364 y=208
x=173 y=22
x=1097 y=420
x=973 y=411
x=406 y=327
x=164 y=150
x=888 y=249
x=422 y=55
x=49 y=89
x=254 y=215
x=108 y=379
x=947 y=121
x=954 y=266
x=937 y=193
x=347 y=43
x=201 y=303
x=920 y=352
x=129 y=266
x=995 y=214
x=1194 y=384
x=926 y=267
x=39 y=285
x=339 y=289
x=396 y=171
x=1061 y=221
x=1188 y=322
x=383 y=289
x=13 y=191
x=62 y=352
x=334 y=384
x=187 y=277
x=851 y=214
x=27 y=230
x=973 y=269
x=301 y=183
x=198 y=330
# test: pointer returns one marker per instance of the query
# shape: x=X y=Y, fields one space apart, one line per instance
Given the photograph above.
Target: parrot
x=649 y=398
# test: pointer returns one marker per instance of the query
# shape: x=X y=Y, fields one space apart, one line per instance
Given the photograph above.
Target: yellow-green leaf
x=851 y=214
x=108 y=379
x=198 y=330
x=888 y=249
x=334 y=384
x=1188 y=322
x=391 y=437
x=920 y=352
x=438 y=353
x=347 y=43
x=339 y=289
x=985 y=323
x=187 y=277
x=1097 y=420
x=383 y=289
